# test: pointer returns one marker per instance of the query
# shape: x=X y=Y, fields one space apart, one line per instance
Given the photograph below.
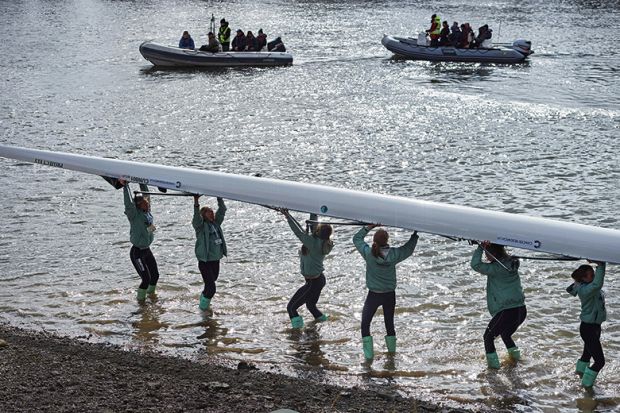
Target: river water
x=540 y=138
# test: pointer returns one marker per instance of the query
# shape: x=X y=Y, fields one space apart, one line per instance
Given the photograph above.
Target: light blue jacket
x=311 y=264
x=139 y=221
x=504 y=289
x=381 y=271
x=210 y=243
x=592 y=297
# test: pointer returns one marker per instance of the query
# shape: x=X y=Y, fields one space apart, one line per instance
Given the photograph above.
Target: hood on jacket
x=572 y=289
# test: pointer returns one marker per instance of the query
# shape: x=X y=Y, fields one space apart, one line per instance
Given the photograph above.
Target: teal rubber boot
x=492 y=361
x=390 y=342
x=151 y=289
x=589 y=376
x=204 y=303
x=581 y=366
x=369 y=352
x=297 y=322
x=322 y=318
x=514 y=353
x=141 y=294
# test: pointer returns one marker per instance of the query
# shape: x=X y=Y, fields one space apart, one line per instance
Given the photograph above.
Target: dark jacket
x=456 y=36
x=213 y=46
x=261 y=40
x=251 y=43
x=443 y=36
x=186 y=43
x=239 y=42
x=276 y=45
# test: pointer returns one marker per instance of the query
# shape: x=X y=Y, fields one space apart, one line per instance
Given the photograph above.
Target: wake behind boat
x=171 y=56
x=411 y=48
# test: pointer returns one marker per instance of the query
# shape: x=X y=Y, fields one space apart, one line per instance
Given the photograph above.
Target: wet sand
x=44 y=372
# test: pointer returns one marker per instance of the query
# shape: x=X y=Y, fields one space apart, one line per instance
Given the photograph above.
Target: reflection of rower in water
x=141 y=230
x=313 y=251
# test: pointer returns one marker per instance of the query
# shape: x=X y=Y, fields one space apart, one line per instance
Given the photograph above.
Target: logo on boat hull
x=520 y=243
x=147 y=181
x=48 y=163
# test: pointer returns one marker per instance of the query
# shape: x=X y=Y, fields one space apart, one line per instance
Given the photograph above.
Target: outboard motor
x=523 y=46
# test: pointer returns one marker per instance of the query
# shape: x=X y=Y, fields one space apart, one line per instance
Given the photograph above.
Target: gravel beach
x=43 y=372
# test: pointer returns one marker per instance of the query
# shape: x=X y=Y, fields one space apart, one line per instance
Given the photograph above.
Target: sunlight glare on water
x=540 y=138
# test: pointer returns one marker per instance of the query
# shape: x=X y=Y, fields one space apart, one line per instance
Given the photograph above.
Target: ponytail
x=379 y=240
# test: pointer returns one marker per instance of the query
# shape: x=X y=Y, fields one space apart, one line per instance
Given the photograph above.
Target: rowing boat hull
x=520 y=231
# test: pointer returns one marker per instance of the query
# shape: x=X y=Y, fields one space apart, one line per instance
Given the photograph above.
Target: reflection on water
x=538 y=139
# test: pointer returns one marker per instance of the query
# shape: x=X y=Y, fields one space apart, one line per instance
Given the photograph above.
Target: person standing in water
x=588 y=287
x=505 y=299
x=381 y=260
x=210 y=246
x=138 y=211
x=315 y=247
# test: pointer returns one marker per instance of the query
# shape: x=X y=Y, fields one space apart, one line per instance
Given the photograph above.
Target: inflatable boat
x=408 y=47
x=170 y=56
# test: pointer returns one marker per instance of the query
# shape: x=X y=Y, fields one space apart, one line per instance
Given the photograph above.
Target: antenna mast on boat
x=499 y=31
x=212 y=25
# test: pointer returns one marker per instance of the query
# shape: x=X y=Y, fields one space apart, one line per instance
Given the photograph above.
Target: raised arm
x=130 y=207
x=197 y=219
x=478 y=265
x=221 y=211
x=297 y=229
x=597 y=283
x=403 y=252
x=360 y=244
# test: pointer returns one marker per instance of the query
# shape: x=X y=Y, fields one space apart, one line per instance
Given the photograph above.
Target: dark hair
x=138 y=199
x=582 y=272
x=379 y=240
x=323 y=232
x=497 y=251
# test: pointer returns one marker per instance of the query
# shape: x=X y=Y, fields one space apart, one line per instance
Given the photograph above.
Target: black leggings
x=146 y=266
x=591 y=335
x=309 y=295
x=372 y=303
x=210 y=270
x=504 y=324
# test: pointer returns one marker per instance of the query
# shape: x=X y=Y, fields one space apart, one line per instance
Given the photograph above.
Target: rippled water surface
x=539 y=138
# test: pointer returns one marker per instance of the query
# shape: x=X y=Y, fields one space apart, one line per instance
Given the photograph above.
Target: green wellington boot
x=322 y=318
x=514 y=353
x=151 y=289
x=369 y=352
x=204 y=303
x=492 y=360
x=297 y=322
x=581 y=366
x=390 y=342
x=141 y=294
x=588 y=377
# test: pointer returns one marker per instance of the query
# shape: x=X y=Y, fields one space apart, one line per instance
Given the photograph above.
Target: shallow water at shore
x=537 y=139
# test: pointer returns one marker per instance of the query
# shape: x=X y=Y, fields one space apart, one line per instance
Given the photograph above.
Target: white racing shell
x=520 y=231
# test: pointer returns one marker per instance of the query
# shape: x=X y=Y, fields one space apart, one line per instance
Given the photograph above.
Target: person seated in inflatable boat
x=484 y=33
x=186 y=41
